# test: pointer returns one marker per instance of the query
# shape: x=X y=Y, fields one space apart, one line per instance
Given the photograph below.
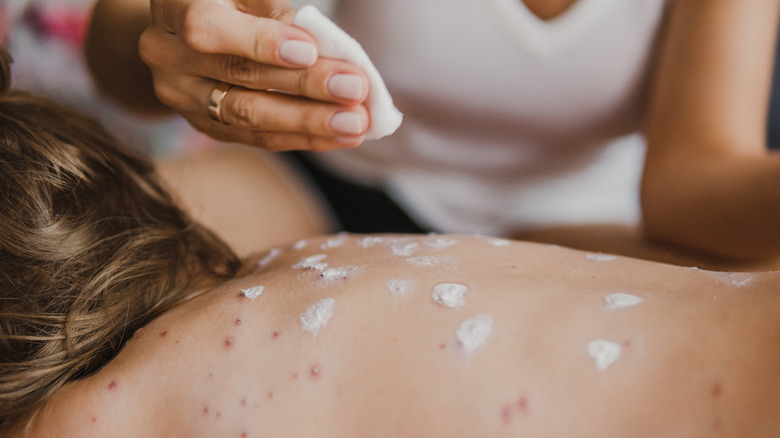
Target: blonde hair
x=91 y=248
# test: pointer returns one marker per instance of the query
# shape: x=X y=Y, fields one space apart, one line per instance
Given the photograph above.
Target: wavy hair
x=91 y=249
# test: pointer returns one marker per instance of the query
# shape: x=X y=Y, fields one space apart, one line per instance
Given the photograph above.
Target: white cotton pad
x=335 y=43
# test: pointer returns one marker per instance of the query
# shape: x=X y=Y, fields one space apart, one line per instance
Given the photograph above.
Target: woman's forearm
x=111 y=50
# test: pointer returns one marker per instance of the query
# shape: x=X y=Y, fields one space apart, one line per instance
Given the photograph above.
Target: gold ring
x=215 y=101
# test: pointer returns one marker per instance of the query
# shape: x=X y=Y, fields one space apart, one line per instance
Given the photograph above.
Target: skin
x=699 y=355
x=709 y=184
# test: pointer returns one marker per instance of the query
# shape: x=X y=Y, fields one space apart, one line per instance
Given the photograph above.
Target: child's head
x=91 y=248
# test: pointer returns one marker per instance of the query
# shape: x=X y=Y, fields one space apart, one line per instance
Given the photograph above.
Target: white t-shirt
x=510 y=122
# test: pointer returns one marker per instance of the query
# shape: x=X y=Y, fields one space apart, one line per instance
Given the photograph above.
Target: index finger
x=212 y=27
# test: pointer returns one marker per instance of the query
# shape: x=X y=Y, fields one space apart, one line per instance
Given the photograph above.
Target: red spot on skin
x=295 y=375
x=94 y=420
x=506 y=414
x=442 y=346
x=205 y=410
x=177 y=342
x=243 y=401
x=211 y=375
x=315 y=370
x=514 y=266
x=219 y=414
x=244 y=435
x=228 y=342
x=164 y=334
x=627 y=343
x=275 y=335
x=522 y=404
x=270 y=394
x=717 y=390
x=239 y=321
x=113 y=385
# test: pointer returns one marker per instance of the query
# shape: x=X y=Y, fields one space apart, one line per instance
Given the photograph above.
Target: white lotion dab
x=499 y=242
x=599 y=257
x=424 y=261
x=449 y=294
x=300 y=244
x=334 y=242
x=316 y=317
x=404 y=249
x=618 y=300
x=474 y=332
x=312 y=262
x=337 y=273
x=440 y=242
x=604 y=353
x=398 y=286
x=253 y=292
x=272 y=254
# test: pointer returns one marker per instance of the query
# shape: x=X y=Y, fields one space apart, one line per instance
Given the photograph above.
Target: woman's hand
x=192 y=46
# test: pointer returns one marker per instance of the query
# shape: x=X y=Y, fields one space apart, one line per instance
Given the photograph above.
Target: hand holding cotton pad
x=335 y=43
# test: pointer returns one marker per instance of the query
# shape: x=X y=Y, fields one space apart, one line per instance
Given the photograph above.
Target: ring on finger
x=215 y=101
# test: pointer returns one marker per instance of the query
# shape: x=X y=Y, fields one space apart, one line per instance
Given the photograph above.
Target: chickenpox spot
x=315 y=370
x=243 y=401
x=244 y=435
x=604 y=353
x=717 y=390
x=449 y=294
x=228 y=342
x=205 y=410
x=312 y=262
x=94 y=419
x=275 y=334
x=239 y=321
x=474 y=332
x=272 y=254
x=271 y=394
x=253 y=292
x=316 y=317
x=398 y=286
x=522 y=404
x=164 y=334
x=600 y=257
x=618 y=300
x=113 y=385
x=442 y=346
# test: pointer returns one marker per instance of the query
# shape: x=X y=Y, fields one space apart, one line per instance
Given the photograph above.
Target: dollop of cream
x=316 y=316
x=618 y=300
x=253 y=292
x=604 y=353
x=474 y=332
x=450 y=295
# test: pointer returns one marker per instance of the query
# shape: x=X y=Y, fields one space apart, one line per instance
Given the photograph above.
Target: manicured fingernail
x=346 y=86
x=298 y=52
x=347 y=122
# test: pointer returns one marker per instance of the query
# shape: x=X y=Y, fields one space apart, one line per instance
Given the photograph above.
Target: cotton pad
x=335 y=43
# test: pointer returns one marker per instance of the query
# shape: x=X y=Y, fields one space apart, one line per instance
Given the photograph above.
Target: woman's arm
x=111 y=50
x=709 y=182
x=190 y=46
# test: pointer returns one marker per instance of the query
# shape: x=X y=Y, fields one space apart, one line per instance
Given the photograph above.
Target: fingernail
x=347 y=122
x=298 y=52
x=346 y=86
